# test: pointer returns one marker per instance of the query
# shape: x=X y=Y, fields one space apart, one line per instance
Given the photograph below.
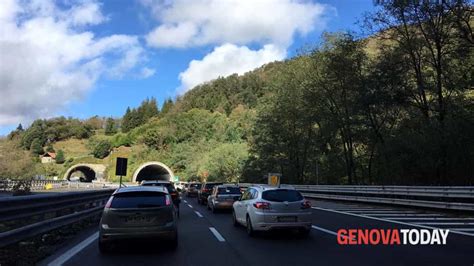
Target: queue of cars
x=151 y=210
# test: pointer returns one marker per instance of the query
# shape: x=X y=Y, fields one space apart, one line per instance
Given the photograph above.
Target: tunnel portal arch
x=81 y=172
x=153 y=171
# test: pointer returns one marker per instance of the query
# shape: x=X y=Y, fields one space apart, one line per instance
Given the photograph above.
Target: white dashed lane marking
x=216 y=233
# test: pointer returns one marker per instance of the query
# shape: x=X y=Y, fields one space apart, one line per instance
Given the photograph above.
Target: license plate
x=286 y=219
x=139 y=219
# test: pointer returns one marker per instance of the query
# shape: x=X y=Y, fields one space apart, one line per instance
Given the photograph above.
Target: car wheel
x=234 y=219
x=250 y=230
x=104 y=247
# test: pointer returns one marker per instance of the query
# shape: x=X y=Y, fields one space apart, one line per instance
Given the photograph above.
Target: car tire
x=105 y=247
x=234 y=219
x=249 y=227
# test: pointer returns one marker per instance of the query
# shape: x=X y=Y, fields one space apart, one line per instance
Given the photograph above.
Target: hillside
x=376 y=111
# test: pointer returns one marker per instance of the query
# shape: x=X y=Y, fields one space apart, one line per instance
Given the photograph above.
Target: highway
x=211 y=239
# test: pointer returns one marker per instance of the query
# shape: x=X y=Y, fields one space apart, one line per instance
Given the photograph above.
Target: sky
x=82 y=58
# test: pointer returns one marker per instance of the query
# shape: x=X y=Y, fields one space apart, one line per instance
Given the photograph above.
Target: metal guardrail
x=9 y=184
x=26 y=216
x=459 y=198
x=38 y=185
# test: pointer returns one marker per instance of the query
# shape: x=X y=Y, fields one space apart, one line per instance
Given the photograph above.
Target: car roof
x=156 y=182
x=228 y=185
x=141 y=189
x=269 y=187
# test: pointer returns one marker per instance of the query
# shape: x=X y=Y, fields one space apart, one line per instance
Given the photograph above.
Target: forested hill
x=225 y=94
x=396 y=108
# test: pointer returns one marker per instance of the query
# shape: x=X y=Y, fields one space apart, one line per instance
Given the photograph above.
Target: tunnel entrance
x=153 y=171
x=81 y=173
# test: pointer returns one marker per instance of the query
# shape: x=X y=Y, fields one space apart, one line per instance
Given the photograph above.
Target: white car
x=263 y=208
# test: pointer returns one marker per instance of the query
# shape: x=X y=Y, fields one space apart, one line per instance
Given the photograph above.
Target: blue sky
x=87 y=57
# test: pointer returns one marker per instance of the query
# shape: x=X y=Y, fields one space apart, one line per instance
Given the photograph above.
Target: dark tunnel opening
x=153 y=172
x=82 y=174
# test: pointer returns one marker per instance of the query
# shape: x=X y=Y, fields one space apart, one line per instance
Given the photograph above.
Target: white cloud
x=226 y=60
x=86 y=13
x=232 y=25
x=187 y=23
x=48 y=59
x=146 y=72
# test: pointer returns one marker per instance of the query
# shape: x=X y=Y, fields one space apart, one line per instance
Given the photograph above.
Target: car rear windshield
x=281 y=195
x=228 y=190
x=138 y=200
x=169 y=186
x=198 y=186
x=212 y=185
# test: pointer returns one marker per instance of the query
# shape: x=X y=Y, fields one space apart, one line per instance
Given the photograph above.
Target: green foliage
x=121 y=139
x=60 y=158
x=110 y=126
x=102 y=149
x=55 y=129
x=225 y=162
x=36 y=147
x=49 y=148
x=167 y=106
x=136 y=117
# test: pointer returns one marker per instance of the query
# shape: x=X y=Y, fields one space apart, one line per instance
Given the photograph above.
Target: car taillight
x=305 y=205
x=205 y=190
x=262 y=205
x=109 y=203
x=168 y=200
x=174 y=194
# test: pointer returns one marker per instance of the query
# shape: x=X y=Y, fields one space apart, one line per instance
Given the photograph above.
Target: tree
x=60 y=159
x=167 y=105
x=102 y=149
x=36 y=147
x=110 y=128
x=19 y=127
x=49 y=148
x=126 y=127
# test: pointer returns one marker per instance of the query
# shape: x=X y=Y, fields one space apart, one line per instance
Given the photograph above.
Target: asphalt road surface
x=211 y=239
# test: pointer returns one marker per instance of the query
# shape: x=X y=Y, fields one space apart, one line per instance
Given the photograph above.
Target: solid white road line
x=74 y=250
x=408 y=215
x=431 y=218
x=431 y=223
x=327 y=231
x=390 y=221
x=463 y=229
x=198 y=214
x=217 y=234
x=190 y=206
x=381 y=212
x=185 y=201
x=372 y=209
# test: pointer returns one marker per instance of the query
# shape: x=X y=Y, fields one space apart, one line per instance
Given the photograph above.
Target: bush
x=102 y=149
x=60 y=157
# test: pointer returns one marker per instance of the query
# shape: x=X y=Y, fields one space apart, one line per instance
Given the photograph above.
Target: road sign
x=274 y=179
x=121 y=167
